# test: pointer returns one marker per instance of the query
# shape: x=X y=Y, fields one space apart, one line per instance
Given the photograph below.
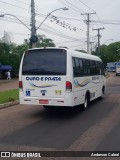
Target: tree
x=110 y=53
x=11 y=54
x=43 y=41
x=4 y=47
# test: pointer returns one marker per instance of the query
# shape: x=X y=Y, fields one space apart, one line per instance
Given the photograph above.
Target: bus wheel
x=85 y=104
x=102 y=93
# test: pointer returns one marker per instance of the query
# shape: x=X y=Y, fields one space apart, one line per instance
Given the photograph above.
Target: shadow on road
x=55 y=112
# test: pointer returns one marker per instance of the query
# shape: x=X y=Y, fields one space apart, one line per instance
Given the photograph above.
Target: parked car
x=111 y=66
x=118 y=68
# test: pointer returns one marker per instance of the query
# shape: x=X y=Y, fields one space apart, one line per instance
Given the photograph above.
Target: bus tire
x=102 y=92
x=86 y=102
x=116 y=74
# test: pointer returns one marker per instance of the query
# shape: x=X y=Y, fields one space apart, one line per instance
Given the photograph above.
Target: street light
x=3 y=15
x=33 y=38
x=50 y=14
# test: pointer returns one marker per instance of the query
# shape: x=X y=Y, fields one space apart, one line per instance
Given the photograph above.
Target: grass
x=9 y=96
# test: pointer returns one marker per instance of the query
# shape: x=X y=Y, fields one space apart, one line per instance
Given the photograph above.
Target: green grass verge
x=9 y=96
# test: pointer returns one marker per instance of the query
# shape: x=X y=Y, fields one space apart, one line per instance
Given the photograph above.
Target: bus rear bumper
x=66 y=101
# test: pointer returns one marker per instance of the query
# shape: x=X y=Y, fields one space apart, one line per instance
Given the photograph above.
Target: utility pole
x=99 y=36
x=91 y=46
x=88 y=29
x=34 y=38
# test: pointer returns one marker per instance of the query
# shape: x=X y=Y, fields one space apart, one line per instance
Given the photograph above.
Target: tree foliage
x=11 y=54
x=109 y=53
x=43 y=41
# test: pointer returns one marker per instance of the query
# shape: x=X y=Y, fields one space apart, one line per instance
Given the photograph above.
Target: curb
x=9 y=104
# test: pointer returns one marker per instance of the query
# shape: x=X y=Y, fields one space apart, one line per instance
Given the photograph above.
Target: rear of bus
x=44 y=78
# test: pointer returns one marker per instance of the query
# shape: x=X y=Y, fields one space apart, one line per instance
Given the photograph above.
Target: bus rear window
x=44 y=62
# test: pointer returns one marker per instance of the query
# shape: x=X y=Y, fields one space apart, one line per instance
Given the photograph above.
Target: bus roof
x=72 y=52
x=84 y=55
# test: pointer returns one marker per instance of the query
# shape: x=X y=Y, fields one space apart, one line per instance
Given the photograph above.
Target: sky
x=66 y=28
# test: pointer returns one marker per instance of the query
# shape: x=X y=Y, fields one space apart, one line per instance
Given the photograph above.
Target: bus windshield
x=44 y=62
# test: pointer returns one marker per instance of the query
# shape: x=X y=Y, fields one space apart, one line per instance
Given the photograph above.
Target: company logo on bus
x=43 y=78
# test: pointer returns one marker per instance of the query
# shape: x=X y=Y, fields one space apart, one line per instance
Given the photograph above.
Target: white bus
x=60 y=77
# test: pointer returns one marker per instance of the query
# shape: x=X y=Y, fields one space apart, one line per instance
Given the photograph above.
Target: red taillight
x=20 y=85
x=68 y=86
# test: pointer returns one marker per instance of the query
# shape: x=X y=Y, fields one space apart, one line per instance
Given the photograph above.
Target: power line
x=29 y=5
x=74 y=6
x=60 y=34
x=63 y=42
x=100 y=20
x=92 y=10
x=106 y=22
x=66 y=18
x=21 y=34
x=13 y=20
x=86 y=5
x=13 y=5
x=57 y=33
x=63 y=23
x=77 y=41
x=58 y=22
x=23 y=20
x=77 y=46
x=71 y=19
x=52 y=29
x=76 y=10
x=22 y=2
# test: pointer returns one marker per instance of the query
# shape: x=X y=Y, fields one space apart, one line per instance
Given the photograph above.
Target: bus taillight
x=68 y=86
x=20 y=85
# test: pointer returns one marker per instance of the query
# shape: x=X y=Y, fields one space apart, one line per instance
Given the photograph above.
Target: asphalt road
x=32 y=128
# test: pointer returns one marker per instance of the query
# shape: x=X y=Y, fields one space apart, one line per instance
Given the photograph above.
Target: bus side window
x=97 y=68
x=74 y=67
x=81 y=67
x=92 y=68
x=86 y=67
x=77 y=67
x=101 y=68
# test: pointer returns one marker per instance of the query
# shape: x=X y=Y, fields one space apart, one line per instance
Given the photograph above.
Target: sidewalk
x=8 y=84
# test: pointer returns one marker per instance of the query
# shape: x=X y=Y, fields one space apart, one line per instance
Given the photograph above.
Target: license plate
x=43 y=101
